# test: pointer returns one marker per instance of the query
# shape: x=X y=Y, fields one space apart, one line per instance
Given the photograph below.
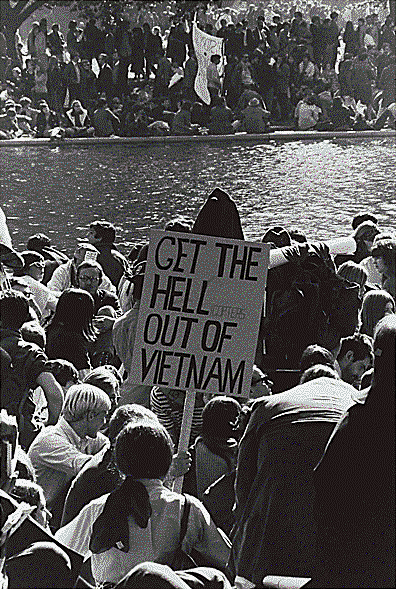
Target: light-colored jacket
x=61 y=279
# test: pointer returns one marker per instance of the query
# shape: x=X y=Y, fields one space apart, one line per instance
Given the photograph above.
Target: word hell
x=205 y=374
x=175 y=294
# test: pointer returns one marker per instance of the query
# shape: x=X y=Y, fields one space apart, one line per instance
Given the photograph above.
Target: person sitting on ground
x=28 y=110
x=148 y=515
x=9 y=127
x=354 y=273
x=29 y=368
x=376 y=305
x=65 y=275
x=221 y=117
x=340 y=116
x=33 y=273
x=100 y=475
x=384 y=254
x=214 y=450
x=41 y=243
x=78 y=121
x=105 y=122
x=355 y=358
x=71 y=331
x=59 y=452
x=307 y=113
x=101 y=235
x=254 y=118
x=181 y=124
x=48 y=124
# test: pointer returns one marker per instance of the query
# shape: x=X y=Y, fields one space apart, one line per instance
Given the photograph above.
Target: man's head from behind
x=101 y=232
x=355 y=357
x=14 y=309
x=85 y=408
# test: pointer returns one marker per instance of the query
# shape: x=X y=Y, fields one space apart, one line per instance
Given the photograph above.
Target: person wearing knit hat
x=219 y=217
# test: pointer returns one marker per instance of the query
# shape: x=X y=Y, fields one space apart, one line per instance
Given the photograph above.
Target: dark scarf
x=111 y=529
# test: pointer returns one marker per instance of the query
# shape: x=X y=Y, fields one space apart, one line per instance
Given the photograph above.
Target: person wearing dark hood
x=355 y=483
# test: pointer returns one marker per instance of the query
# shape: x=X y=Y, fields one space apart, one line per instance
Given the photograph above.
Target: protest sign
x=204 y=46
x=200 y=313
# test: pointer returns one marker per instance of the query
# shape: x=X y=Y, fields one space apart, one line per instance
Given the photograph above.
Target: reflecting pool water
x=316 y=187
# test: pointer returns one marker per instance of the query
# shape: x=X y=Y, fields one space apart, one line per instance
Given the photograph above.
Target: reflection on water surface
x=316 y=187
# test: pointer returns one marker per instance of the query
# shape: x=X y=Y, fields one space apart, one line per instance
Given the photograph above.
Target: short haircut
x=179 y=224
x=317 y=371
x=81 y=399
x=144 y=450
x=360 y=344
x=38 y=241
x=353 y=272
x=128 y=413
x=90 y=264
x=14 y=309
x=104 y=230
x=32 y=332
x=361 y=218
x=315 y=354
x=63 y=371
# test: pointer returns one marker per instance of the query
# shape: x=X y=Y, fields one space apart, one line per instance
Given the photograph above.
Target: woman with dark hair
x=376 y=304
x=148 y=515
x=71 y=330
x=351 y=38
x=355 y=483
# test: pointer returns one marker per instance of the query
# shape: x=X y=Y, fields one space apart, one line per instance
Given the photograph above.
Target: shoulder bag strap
x=184 y=520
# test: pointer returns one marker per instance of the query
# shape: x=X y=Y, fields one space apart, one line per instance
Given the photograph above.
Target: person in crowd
x=56 y=85
x=255 y=119
x=64 y=372
x=221 y=117
x=73 y=39
x=33 y=274
x=376 y=304
x=104 y=378
x=31 y=493
x=351 y=39
x=181 y=124
x=60 y=451
x=71 y=331
x=355 y=483
x=31 y=40
x=148 y=528
x=287 y=433
x=9 y=124
x=28 y=111
x=354 y=273
x=47 y=124
x=72 y=76
x=162 y=76
x=102 y=236
x=28 y=79
x=105 y=82
x=65 y=275
x=214 y=450
x=88 y=86
x=362 y=78
x=78 y=123
x=307 y=113
x=56 y=42
x=213 y=78
x=105 y=122
x=41 y=43
x=355 y=358
x=30 y=370
x=315 y=354
x=340 y=116
x=317 y=371
x=282 y=87
x=41 y=243
x=106 y=309
x=384 y=254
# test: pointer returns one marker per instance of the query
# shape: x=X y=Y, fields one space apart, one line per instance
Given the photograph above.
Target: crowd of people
x=304 y=67
x=294 y=479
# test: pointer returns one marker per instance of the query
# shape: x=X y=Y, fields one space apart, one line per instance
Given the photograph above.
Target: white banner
x=200 y=313
x=205 y=46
